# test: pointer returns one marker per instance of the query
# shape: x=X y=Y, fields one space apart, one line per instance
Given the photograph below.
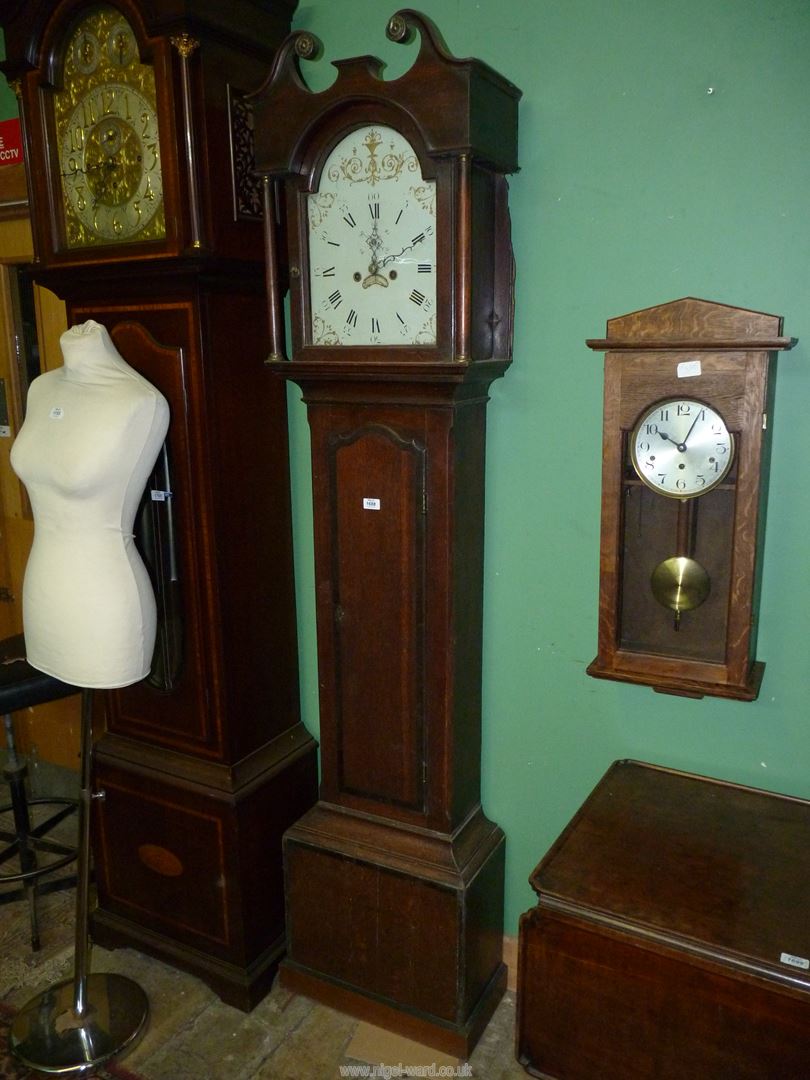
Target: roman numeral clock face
x=372 y=245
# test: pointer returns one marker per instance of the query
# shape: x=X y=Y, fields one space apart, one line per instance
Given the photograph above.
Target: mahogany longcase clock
x=401 y=281
x=687 y=419
x=147 y=218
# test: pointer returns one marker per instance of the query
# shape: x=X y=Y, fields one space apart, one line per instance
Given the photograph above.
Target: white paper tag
x=160 y=496
x=687 y=369
x=56 y=413
x=795 y=961
x=5 y=431
x=371 y=504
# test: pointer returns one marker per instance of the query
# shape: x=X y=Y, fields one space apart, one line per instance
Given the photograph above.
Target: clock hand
x=408 y=247
x=678 y=445
x=682 y=445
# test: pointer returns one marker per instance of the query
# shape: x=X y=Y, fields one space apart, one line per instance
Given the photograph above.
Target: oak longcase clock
x=688 y=389
x=401 y=297
x=147 y=218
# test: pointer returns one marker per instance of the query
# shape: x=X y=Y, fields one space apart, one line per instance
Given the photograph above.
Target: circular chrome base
x=47 y=1035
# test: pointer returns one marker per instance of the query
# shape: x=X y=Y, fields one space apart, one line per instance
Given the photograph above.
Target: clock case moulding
x=203 y=773
x=713 y=649
x=395 y=879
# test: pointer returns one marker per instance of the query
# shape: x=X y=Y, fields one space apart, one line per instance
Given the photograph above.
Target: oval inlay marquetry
x=160 y=859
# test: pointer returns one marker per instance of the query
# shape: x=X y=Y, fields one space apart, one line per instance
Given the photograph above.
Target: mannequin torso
x=92 y=433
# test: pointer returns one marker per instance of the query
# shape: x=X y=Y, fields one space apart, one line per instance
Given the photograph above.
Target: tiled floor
x=192 y=1035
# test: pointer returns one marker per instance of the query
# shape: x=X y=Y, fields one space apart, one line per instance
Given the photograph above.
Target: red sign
x=10 y=142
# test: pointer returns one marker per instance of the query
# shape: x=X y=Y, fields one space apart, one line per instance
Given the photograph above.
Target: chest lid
x=700 y=864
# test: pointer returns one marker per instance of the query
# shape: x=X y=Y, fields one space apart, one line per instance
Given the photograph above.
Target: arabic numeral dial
x=681 y=448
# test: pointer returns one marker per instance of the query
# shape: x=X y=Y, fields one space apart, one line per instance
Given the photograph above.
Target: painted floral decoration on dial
x=372 y=244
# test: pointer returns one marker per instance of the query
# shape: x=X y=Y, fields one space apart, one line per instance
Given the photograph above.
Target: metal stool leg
x=14 y=772
x=74 y=1027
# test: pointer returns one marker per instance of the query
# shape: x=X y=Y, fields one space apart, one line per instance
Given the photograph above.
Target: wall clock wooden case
x=146 y=218
x=401 y=293
x=688 y=412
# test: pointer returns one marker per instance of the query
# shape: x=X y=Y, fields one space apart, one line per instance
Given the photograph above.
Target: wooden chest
x=671 y=938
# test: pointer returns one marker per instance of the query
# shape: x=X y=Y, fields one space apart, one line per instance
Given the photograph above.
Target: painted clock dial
x=681 y=448
x=372 y=244
x=106 y=127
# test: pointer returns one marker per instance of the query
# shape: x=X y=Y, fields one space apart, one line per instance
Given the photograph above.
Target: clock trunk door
x=377 y=477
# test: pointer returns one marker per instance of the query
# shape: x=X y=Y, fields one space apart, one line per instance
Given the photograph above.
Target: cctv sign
x=10 y=142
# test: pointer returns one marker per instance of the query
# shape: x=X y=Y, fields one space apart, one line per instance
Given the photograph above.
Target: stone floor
x=192 y=1035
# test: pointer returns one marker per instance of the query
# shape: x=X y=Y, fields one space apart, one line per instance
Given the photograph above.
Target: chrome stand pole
x=81 y=950
x=74 y=1027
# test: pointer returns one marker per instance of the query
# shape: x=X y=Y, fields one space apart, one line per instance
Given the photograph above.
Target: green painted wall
x=638 y=186
x=8 y=103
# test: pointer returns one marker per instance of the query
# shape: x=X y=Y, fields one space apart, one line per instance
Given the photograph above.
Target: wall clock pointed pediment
x=683 y=323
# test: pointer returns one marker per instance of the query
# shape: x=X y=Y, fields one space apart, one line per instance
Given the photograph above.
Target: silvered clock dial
x=681 y=448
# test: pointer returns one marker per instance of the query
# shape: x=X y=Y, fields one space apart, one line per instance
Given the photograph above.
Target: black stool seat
x=21 y=685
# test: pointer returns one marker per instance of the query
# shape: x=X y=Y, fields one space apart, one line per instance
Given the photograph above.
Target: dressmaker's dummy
x=92 y=433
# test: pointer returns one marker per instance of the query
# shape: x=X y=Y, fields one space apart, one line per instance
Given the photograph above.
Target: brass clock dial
x=107 y=133
x=681 y=448
x=372 y=244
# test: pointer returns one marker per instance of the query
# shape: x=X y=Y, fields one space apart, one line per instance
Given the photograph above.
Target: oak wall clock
x=401 y=298
x=141 y=222
x=688 y=389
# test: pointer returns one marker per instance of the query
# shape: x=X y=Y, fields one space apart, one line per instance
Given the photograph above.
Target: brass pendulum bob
x=680 y=583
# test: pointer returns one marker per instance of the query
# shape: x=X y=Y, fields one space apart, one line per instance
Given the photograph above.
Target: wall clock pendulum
x=401 y=304
x=688 y=399
x=145 y=219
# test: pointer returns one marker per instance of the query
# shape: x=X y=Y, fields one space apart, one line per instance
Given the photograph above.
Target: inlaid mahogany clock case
x=204 y=766
x=395 y=879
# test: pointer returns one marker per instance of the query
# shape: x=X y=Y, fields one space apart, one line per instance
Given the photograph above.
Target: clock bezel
x=645 y=413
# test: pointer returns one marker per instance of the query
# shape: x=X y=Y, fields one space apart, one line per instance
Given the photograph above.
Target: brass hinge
x=6 y=595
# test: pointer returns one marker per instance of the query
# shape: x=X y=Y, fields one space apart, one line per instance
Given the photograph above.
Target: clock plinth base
x=449 y=1040
x=684 y=687
x=241 y=987
x=189 y=857
x=401 y=926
